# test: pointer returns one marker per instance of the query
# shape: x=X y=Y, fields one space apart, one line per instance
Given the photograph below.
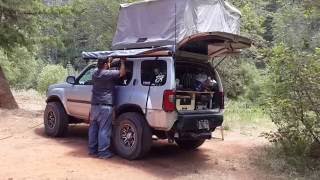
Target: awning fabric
x=124 y=53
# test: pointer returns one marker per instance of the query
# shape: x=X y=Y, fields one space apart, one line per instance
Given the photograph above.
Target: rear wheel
x=132 y=136
x=55 y=120
x=190 y=144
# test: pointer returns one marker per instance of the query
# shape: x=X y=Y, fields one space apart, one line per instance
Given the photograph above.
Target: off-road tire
x=190 y=144
x=142 y=142
x=55 y=120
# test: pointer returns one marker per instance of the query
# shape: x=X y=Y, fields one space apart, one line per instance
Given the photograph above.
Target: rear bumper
x=187 y=125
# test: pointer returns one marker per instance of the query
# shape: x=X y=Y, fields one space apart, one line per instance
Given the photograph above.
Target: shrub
x=254 y=82
x=242 y=79
x=294 y=99
x=51 y=74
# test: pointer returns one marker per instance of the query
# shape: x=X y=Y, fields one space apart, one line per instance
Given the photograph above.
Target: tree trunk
x=7 y=100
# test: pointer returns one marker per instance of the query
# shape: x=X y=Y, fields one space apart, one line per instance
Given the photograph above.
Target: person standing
x=100 y=130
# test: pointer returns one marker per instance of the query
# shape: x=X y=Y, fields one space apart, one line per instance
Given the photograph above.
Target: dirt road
x=26 y=153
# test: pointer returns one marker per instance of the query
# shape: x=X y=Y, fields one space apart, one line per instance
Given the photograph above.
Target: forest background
x=41 y=42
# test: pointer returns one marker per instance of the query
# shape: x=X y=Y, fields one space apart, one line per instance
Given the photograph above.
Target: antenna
x=175 y=25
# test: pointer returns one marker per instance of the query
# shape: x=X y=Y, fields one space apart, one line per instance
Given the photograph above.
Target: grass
x=246 y=118
x=272 y=158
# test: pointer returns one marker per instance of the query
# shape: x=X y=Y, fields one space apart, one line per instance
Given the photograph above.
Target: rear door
x=205 y=46
x=151 y=80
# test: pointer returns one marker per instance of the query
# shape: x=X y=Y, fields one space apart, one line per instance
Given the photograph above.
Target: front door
x=79 y=95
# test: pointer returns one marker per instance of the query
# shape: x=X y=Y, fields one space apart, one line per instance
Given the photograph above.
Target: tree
x=16 y=29
x=88 y=25
x=6 y=98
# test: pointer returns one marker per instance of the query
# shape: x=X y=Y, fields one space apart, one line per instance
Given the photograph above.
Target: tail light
x=168 y=101
x=221 y=99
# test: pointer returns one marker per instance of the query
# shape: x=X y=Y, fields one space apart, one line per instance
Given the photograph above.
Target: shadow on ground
x=164 y=160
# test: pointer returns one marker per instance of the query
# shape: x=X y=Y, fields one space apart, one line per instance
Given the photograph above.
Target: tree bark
x=7 y=100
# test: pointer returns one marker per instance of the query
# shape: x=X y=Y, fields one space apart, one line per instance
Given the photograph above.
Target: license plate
x=203 y=124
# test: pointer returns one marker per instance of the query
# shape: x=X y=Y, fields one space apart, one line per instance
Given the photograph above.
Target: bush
x=51 y=74
x=229 y=71
x=294 y=99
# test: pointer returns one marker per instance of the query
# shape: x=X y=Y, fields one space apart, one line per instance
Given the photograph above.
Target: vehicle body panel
x=76 y=98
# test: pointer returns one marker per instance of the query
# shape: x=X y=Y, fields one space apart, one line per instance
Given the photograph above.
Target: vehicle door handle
x=134 y=82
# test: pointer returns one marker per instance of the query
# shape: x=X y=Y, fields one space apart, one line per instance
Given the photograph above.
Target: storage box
x=185 y=103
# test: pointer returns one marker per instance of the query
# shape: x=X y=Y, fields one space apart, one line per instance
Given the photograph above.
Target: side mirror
x=71 y=80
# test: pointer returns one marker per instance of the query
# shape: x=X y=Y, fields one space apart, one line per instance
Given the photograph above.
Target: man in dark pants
x=100 y=129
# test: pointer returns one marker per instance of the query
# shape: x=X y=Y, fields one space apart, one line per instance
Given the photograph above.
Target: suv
x=163 y=95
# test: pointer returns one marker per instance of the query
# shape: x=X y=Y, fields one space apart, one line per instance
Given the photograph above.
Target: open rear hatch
x=197 y=84
x=205 y=46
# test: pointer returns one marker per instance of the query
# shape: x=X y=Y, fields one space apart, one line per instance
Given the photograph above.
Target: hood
x=59 y=85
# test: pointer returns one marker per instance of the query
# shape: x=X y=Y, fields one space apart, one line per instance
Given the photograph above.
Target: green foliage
x=273 y=159
x=287 y=45
x=85 y=25
x=245 y=116
x=51 y=74
x=252 y=24
x=254 y=81
x=18 y=23
x=240 y=76
x=241 y=79
x=229 y=71
x=294 y=99
x=297 y=26
x=21 y=67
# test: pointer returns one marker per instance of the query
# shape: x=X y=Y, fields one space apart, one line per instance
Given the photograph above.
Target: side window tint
x=129 y=73
x=154 y=73
x=86 y=78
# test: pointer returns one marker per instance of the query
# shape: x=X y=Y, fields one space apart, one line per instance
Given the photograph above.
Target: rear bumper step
x=189 y=122
x=193 y=135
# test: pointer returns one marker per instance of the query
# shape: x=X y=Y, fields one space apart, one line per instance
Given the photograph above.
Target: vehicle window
x=86 y=78
x=129 y=73
x=154 y=73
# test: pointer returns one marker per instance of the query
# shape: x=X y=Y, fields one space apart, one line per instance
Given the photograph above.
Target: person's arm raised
x=123 y=67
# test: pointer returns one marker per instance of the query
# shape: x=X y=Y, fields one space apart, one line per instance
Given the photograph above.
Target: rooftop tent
x=168 y=22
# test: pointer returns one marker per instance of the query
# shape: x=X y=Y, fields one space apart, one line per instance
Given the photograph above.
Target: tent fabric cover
x=123 y=53
x=167 y=22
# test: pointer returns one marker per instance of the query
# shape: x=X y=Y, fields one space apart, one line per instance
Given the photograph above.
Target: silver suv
x=167 y=94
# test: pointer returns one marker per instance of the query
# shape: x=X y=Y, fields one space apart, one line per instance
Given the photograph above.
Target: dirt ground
x=26 y=153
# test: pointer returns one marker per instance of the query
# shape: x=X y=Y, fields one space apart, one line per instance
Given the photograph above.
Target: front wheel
x=190 y=144
x=132 y=136
x=55 y=120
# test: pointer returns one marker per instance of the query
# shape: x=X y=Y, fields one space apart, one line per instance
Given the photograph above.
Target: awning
x=158 y=51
